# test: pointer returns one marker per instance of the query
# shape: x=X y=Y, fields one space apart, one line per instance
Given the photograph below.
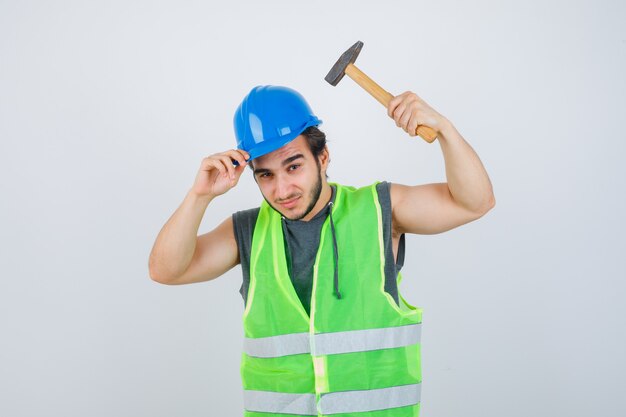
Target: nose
x=283 y=187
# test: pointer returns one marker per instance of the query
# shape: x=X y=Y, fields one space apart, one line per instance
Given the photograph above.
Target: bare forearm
x=175 y=245
x=467 y=178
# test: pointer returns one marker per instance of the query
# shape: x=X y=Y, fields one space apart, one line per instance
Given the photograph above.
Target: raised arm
x=179 y=256
x=436 y=208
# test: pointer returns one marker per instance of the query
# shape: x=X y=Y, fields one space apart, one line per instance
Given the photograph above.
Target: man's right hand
x=217 y=174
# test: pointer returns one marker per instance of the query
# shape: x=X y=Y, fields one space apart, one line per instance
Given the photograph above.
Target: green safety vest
x=355 y=356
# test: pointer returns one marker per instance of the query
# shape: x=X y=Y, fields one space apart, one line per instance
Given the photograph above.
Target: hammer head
x=338 y=70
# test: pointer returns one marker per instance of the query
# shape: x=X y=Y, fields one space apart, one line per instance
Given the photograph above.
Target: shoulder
x=248 y=215
x=244 y=222
x=383 y=190
x=379 y=190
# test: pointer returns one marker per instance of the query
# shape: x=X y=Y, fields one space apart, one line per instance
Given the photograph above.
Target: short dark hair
x=316 y=140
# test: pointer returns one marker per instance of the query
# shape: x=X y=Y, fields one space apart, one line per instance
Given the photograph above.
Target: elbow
x=157 y=275
x=491 y=202
x=162 y=279
x=481 y=210
x=153 y=271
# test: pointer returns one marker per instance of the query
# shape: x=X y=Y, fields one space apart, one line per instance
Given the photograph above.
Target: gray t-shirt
x=302 y=238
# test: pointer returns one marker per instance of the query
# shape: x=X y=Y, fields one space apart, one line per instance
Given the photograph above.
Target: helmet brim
x=265 y=147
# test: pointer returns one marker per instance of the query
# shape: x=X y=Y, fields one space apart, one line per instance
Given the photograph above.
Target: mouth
x=289 y=203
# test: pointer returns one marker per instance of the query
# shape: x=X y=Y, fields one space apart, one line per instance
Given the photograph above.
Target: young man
x=326 y=330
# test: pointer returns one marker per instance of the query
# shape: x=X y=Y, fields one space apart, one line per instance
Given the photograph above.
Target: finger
x=412 y=125
x=411 y=96
x=246 y=155
x=238 y=171
x=211 y=163
x=399 y=112
x=239 y=157
x=405 y=118
x=228 y=163
x=217 y=161
x=393 y=104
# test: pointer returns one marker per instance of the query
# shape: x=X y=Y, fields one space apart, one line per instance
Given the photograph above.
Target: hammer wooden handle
x=384 y=97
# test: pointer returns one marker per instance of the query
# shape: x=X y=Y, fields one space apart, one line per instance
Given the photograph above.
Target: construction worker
x=326 y=328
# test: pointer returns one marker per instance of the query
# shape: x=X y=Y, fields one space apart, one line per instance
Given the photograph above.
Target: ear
x=324 y=158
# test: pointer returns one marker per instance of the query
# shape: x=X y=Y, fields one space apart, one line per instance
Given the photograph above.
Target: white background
x=108 y=107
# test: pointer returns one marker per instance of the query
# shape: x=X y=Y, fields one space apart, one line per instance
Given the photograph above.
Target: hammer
x=345 y=65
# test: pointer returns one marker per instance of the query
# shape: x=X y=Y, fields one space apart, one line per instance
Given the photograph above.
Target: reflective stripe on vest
x=333 y=343
x=334 y=402
x=364 y=340
x=278 y=402
x=275 y=346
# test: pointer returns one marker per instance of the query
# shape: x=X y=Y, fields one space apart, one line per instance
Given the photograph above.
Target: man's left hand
x=410 y=111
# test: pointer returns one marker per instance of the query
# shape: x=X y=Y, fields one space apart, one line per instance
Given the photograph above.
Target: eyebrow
x=292 y=158
x=284 y=163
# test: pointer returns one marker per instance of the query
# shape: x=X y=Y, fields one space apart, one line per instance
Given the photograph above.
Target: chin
x=289 y=214
x=293 y=216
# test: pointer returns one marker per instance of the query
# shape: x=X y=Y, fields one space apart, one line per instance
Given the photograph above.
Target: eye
x=264 y=175
x=293 y=167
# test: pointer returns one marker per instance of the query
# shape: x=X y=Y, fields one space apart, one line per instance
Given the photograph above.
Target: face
x=292 y=180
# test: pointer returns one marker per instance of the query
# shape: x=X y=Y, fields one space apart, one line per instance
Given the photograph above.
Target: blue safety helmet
x=270 y=117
